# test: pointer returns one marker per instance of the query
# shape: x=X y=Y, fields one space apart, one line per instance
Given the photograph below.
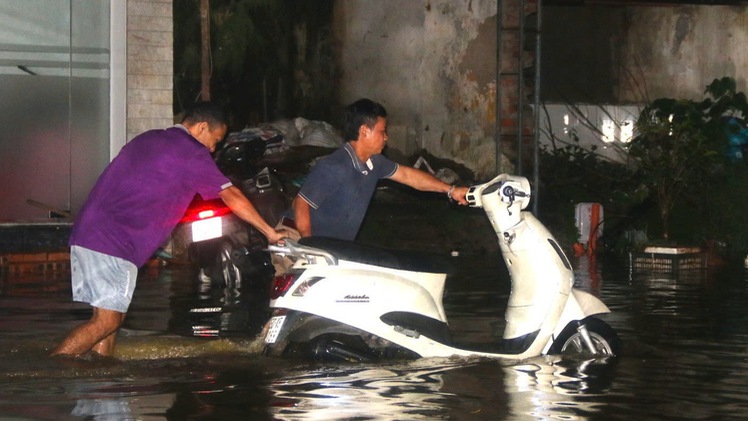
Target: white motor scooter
x=343 y=300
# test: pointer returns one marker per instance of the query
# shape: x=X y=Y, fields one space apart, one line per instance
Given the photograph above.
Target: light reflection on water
x=376 y=392
x=684 y=340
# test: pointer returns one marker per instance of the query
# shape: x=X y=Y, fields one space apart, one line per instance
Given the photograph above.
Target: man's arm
x=421 y=180
x=244 y=209
x=302 y=216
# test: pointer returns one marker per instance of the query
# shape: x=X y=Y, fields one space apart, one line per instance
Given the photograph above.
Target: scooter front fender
x=588 y=303
x=580 y=305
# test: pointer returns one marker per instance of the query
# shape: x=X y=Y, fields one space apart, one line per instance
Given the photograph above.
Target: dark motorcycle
x=228 y=250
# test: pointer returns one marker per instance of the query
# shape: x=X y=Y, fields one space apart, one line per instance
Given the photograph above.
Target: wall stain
x=682 y=29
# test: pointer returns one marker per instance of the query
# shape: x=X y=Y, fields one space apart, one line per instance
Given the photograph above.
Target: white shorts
x=102 y=280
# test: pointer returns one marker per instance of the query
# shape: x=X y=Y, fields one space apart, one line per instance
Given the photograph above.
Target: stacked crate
x=668 y=259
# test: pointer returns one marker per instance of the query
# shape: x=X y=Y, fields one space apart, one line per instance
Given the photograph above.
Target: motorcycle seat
x=410 y=260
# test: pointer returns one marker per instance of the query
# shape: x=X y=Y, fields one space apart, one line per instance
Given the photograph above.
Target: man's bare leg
x=99 y=332
x=105 y=347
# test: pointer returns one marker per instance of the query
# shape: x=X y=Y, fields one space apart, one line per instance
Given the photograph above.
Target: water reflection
x=445 y=389
x=558 y=388
x=380 y=392
x=103 y=409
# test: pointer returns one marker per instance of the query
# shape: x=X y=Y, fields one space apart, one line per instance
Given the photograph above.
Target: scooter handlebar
x=473 y=197
x=508 y=187
x=291 y=247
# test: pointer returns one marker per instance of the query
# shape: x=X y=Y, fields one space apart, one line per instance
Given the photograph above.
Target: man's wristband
x=449 y=192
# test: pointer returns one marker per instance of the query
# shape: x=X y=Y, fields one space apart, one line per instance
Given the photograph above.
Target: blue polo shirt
x=339 y=190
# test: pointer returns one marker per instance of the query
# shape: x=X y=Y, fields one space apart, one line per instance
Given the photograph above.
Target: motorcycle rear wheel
x=605 y=340
x=230 y=273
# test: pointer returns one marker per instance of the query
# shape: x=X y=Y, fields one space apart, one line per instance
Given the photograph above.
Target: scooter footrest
x=408 y=323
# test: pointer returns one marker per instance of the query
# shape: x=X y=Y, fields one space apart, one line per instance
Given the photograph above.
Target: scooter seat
x=416 y=261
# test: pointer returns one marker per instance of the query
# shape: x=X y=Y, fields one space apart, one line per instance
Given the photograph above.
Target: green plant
x=679 y=172
x=678 y=149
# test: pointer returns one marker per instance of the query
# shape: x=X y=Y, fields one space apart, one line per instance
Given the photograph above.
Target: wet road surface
x=188 y=351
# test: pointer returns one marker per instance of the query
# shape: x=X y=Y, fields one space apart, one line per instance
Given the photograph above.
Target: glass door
x=54 y=104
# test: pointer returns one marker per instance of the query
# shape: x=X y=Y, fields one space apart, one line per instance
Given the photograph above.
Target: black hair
x=205 y=111
x=363 y=111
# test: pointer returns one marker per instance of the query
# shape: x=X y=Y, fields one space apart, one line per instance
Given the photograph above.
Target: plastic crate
x=668 y=260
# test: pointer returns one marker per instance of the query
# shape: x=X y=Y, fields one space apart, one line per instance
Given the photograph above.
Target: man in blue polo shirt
x=132 y=209
x=334 y=198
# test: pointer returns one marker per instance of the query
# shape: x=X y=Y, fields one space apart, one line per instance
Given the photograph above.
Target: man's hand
x=277 y=236
x=244 y=209
x=458 y=195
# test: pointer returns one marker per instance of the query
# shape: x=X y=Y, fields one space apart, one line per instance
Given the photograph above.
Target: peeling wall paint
x=429 y=62
x=676 y=52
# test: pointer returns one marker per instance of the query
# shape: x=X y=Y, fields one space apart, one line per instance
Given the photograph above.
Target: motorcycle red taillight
x=204 y=209
x=281 y=284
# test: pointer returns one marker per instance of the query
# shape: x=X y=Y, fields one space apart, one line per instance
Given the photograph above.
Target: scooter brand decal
x=353 y=298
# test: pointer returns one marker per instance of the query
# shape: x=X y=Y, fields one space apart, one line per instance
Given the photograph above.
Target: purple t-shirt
x=339 y=190
x=143 y=192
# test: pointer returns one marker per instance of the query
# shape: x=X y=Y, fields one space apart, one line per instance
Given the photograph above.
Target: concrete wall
x=635 y=54
x=150 y=65
x=432 y=64
x=676 y=52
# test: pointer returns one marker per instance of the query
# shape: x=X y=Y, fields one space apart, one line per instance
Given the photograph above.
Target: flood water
x=188 y=351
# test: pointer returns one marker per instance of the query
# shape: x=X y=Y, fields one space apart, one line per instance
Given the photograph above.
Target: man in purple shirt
x=135 y=204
